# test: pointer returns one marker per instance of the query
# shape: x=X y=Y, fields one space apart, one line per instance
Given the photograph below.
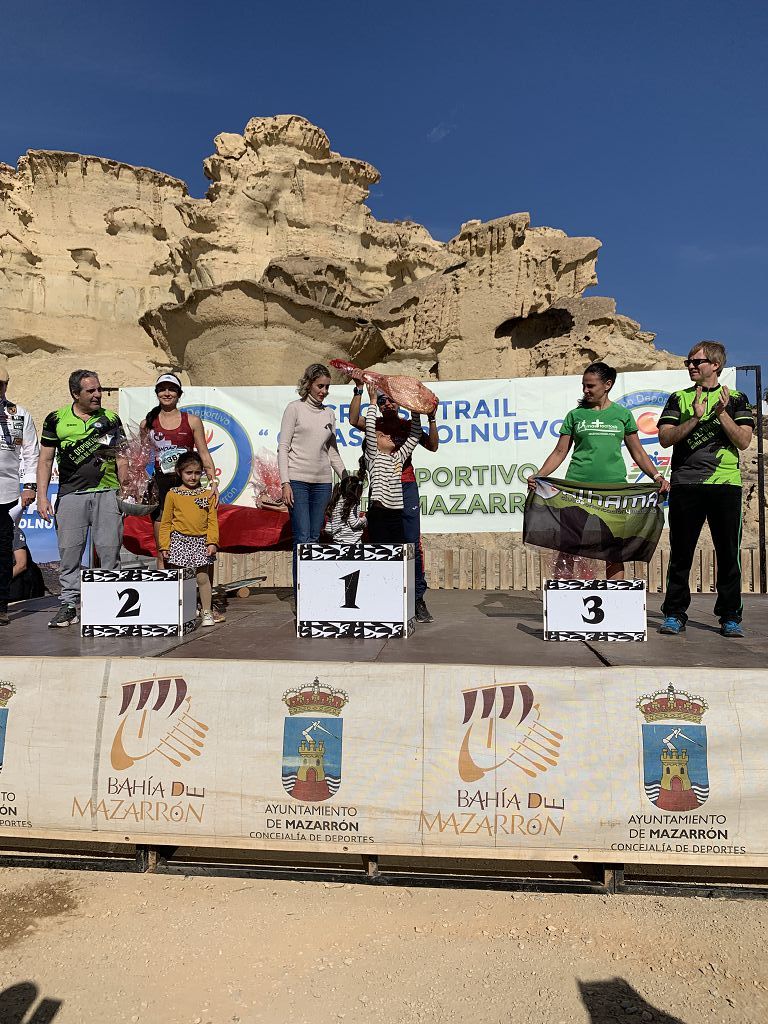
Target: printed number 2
x=350 y=589
x=131 y=604
x=595 y=607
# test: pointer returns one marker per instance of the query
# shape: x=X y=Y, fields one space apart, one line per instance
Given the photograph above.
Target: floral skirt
x=188 y=552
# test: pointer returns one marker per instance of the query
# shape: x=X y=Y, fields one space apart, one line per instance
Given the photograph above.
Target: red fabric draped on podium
x=240 y=530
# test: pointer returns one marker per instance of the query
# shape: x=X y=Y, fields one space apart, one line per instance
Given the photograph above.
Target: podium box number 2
x=137 y=602
x=355 y=590
x=613 y=610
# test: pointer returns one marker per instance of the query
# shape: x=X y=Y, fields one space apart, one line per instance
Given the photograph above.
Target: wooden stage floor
x=470 y=628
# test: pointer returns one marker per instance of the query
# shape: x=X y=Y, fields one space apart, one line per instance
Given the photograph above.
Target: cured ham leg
x=408 y=392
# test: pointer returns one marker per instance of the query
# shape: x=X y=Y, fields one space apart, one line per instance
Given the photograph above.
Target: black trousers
x=385 y=525
x=690 y=506
x=6 y=554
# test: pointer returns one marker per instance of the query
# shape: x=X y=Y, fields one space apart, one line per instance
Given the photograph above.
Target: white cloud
x=440 y=131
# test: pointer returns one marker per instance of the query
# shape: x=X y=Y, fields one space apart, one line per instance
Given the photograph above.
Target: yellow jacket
x=192 y=513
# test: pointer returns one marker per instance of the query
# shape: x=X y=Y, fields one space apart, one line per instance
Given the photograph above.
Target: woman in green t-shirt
x=595 y=430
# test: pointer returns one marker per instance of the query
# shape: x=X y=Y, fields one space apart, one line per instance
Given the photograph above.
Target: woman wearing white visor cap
x=173 y=432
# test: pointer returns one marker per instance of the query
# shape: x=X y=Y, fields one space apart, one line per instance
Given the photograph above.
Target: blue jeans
x=307 y=514
x=412 y=531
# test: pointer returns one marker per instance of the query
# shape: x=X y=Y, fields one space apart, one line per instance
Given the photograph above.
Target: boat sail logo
x=675 y=774
x=155 y=719
x=512 y=733
x=312 y=745
x=7 y=690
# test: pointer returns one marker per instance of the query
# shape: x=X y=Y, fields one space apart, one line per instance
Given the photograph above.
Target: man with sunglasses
x=706 y=425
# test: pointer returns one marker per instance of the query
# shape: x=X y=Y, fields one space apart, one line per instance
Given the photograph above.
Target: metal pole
x=756 y=369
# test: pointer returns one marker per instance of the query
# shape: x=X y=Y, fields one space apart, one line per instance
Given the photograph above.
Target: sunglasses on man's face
x=695 y=362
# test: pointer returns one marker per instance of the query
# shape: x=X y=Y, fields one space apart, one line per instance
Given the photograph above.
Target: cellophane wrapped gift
x=265 y=480
x=135 y=493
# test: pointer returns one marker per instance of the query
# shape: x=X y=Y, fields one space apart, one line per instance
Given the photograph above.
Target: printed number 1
x=350 y=589
x=595 y=607
x=131 y=606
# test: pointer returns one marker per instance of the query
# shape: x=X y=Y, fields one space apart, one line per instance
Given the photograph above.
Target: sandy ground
x=114 y=948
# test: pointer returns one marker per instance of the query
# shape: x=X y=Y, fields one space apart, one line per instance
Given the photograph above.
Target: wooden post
x=448 y=569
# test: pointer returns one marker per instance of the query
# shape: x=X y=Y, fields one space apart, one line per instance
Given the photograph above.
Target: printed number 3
x=350 y=589
x=594 y=606
x=131 y=606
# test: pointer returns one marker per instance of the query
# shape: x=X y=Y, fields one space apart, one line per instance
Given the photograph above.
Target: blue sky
x=641 y=124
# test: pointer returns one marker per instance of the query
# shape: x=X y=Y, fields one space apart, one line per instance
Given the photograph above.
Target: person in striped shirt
x=385 y=466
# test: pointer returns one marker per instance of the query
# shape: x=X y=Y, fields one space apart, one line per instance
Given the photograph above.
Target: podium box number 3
x=137 y=602
x=355 y=590
x=613 y=610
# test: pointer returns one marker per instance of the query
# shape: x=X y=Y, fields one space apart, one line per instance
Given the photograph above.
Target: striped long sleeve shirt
x=385 y=469
x=349 y=530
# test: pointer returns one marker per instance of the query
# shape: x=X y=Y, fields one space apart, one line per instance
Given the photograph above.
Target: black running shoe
x=422 y=612
x=65 y=616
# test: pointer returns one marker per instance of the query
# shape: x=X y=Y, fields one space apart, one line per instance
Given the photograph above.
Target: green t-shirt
x=86 y=450
x=597 y=435
x=706 y=456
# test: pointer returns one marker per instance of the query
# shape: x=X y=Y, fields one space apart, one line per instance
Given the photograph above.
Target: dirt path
x=114 y=948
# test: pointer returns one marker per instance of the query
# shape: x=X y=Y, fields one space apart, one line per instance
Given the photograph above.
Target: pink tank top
x=170 y=444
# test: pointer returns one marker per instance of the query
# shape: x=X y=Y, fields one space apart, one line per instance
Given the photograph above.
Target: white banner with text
x=493 y=434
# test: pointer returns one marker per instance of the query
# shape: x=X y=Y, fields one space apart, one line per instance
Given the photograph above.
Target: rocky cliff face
x=86 y=246
x=117 y=268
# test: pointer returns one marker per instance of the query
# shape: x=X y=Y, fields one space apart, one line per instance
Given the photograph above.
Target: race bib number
x=169 y=458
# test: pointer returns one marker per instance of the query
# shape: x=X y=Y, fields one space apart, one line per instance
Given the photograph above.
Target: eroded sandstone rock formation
x=281 y=263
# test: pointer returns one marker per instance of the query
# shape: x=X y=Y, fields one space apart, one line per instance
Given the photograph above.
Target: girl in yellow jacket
x=189 y=529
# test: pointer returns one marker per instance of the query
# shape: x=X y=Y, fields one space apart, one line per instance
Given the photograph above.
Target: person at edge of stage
x=307 y=455
x=595 y=430
x=384 y=462
x=391 y=433
x=189 y=529
x=84 y=437
x=172 y=432
x=19 y=452
x=706 y=425
x=27 y=579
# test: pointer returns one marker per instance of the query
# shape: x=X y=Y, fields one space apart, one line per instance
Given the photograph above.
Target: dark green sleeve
x=120 y=428
x=567 y=427
x=671 y=411
x=740 y=410
x=49 y=437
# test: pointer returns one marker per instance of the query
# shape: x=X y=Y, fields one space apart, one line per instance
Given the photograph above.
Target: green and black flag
x=609 y=522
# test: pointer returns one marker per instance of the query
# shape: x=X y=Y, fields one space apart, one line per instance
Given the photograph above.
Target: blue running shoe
x=672 y=626
x=731 y=628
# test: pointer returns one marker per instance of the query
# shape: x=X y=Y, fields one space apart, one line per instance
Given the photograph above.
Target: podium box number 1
x=364 y=591
x=613 y=610
x=137 y=602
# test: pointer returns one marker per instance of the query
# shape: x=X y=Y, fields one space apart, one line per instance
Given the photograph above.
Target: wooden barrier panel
x=633 y=766
x=515 y=568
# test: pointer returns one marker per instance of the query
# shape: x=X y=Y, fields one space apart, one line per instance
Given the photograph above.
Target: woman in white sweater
x=306 y=455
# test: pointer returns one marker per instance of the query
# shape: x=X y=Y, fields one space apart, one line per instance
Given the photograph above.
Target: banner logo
x=495 y=736
x=7 y=690
x=675 y=774
x=312 y=746
x=155 y=719
x=646 y=407
x=228 y=439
